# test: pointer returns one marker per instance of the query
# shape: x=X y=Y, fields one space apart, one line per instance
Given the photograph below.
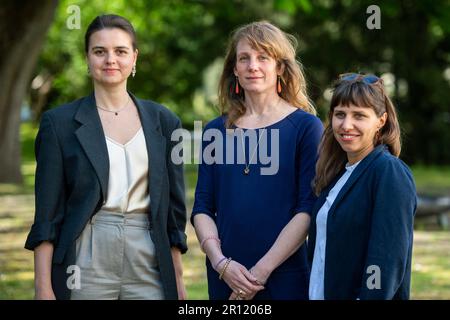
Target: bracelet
x=206 y=239
x=220 y=261
x=224 y=268
x=257 y=281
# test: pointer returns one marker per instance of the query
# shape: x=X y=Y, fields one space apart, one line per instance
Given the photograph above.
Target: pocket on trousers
x=106 y=247
x=84 y=245
x=141 y=250
x=151 y=251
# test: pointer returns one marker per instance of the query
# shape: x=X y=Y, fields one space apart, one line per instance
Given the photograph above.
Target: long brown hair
x=332 y=158
x=280 y=46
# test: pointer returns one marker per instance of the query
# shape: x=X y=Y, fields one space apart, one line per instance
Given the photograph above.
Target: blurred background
x=181 y=48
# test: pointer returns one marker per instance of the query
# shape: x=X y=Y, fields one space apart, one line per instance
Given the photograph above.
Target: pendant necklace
x=116 y=112
x=247 y=166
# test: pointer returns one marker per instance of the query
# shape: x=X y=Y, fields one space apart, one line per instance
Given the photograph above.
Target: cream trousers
x=117 y=259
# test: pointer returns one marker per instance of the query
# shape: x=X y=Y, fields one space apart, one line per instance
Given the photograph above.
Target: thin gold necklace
x=116 y=112
x=247 y=166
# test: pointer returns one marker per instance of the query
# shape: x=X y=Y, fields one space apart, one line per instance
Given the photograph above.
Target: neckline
x=128 y=142
x=270 y=125
x=351 y=167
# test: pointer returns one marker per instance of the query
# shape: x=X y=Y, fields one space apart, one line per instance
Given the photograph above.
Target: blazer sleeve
x=176 y=221
x=391 y=232
x=49 y=186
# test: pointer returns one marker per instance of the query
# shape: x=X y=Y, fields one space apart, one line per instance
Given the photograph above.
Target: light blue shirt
x=316 y=283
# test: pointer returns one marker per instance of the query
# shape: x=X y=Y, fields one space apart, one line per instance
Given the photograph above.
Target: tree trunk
x=23 y=28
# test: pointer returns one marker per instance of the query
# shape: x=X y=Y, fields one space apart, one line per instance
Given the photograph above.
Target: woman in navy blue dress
x=361 y=235
x=254 y=195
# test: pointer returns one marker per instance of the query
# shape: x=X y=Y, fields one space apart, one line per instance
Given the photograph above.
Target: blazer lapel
x=156 y=149
x=359 y=170
x=92 y=139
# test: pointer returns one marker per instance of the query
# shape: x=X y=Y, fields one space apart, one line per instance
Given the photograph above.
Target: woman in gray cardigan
x=110 y=213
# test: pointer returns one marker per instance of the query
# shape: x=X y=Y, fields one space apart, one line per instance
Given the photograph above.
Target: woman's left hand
x=240 y=281
x=261 y=279
x=257 y=277
x=260 y=274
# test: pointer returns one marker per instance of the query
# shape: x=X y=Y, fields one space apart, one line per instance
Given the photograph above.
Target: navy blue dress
x=251 y=210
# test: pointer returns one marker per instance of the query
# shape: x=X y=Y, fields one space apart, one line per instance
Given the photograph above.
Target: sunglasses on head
x=368 y=78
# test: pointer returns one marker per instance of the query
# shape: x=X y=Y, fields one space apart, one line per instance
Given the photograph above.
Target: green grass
x=431 y=258
x=431 y=265
x=432 y=179
x=430 y=276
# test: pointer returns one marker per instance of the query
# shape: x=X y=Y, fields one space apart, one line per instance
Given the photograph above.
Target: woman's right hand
x=239 y=279
x=44 y=294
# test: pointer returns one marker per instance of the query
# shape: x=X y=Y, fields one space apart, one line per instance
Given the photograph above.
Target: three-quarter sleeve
x=391 y=233
x=176 y=221
x=49 y=186
x=204 y=191
x=307 y=152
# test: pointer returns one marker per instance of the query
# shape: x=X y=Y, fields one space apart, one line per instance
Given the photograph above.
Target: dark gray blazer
x=72 y=181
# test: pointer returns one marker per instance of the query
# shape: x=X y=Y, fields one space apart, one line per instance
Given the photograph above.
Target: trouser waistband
x=127 y=219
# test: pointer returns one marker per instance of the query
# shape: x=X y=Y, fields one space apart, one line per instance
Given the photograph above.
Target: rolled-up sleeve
x=176 y=222
x=49 y=186
x=307 y=146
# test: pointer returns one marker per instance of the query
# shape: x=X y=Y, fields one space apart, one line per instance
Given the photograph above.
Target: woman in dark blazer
x=79 y=159
x=361 y=235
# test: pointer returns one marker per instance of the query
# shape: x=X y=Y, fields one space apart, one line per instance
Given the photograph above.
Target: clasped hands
x=245 y=284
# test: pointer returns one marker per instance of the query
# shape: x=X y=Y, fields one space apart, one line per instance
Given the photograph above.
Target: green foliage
x=181 y=44
x=411 y=48
x=177 y=42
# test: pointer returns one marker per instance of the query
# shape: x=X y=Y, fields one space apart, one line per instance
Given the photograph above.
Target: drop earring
x=133 y=71
x=88 y=71
x=279 y=85
x=236 y=89
x=377 y=136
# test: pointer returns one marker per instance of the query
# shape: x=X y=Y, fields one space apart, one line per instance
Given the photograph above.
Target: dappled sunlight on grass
x=7 y=188
x=430 y=277
x=18 y=276
x=431 y=265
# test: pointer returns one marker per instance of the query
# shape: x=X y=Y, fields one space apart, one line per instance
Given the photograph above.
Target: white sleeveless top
x=128 y=176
